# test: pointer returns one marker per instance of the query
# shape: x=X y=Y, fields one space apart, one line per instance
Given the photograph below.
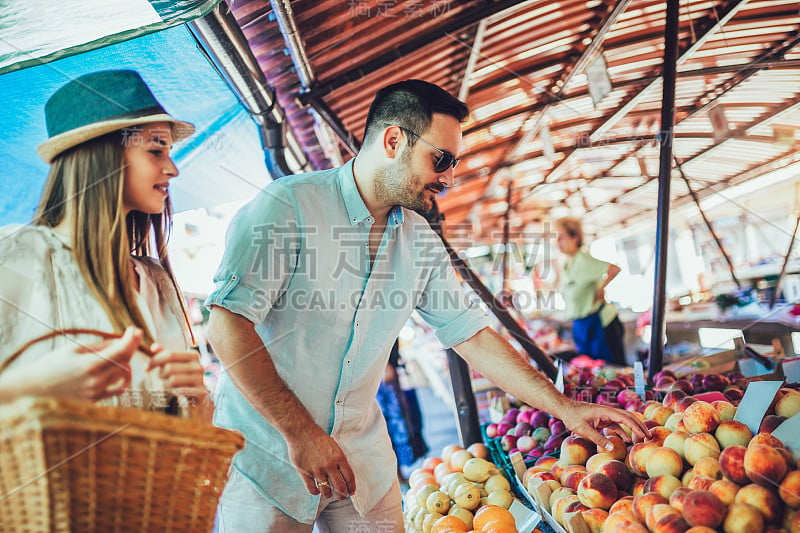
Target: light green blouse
x=579 y=278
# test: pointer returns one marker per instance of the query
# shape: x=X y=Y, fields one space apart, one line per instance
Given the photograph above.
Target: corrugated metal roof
x=739 y=55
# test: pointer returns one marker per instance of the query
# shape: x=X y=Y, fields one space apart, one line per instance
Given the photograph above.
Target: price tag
x=560 y=377
x=789 y=433
x=754 y=404
x=526 y=520
x=791 y=369
x=638 y=379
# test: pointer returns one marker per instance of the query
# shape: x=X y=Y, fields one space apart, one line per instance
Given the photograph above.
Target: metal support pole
x=469 y=428
x=709 y=226
x=664 y=175
x=785 y=263
x=506 y=235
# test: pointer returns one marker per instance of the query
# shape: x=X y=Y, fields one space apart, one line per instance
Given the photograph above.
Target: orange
x=499 y=526
x=492 y=513
x=448 y=524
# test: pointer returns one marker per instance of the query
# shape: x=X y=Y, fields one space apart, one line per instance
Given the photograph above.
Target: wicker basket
x=73 y=466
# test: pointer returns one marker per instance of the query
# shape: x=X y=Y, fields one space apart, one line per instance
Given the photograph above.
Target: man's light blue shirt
x=297 y=266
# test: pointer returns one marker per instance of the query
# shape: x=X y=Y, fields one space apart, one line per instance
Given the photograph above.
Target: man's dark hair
x=411 y=104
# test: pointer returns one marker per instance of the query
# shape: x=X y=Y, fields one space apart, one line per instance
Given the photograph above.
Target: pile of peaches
x=700 y=472
x=460 y=491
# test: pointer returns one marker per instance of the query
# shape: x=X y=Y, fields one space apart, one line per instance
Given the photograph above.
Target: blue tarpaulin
x=222 y=162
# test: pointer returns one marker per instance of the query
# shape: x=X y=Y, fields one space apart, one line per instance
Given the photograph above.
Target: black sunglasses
x=446 y=159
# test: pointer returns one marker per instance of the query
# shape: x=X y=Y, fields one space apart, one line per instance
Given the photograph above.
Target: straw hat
x=99 y=103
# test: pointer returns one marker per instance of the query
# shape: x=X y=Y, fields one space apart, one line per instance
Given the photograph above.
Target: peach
x=725 y=490
x=708 y=467
x=559 y=506
x=725 y=409
x=620 y=449
x=743 y=518
x=619 y=474
x=557 y=469
x=660 y=414
x=637 y=487
x=767 y=439
x=687 y=477
x=683 y=403
x=559 y=494
x=594 y=462
x=701 y=529
x=664 y=485
x=573 y=479
x=594 y=519
x=731 y=464
x=677 y=497
x=643 y=503
x=763 y=499
x=699 y=445
x=673 y=420
x=794 y=525
x=701 y=417
x=789 y=491
x=659 y=434
x=576 y=450
x=701 y=483
x=703 y=508
x=572 y=468
x=664 y=461
x=764 y=465
x=675 y=441
x=597 y=490
x=546 y=461
x=638 y=457
x=574 y=507
x=620 y=522
x=650 y=407
x=789 y=404
x=623 y=504
x=671 y=524
x=733 y=433
x=655 y=513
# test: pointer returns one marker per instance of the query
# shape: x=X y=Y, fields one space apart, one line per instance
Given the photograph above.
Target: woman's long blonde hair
x=87 y=182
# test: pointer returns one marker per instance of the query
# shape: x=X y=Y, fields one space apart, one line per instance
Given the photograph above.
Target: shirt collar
x=357 y=210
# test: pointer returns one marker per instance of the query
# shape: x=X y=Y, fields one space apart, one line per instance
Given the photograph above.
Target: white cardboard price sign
x=526 y=520
x=791 y=369
x=754 y=404
x=638 y=379
x=560 y=378
x=789 y=433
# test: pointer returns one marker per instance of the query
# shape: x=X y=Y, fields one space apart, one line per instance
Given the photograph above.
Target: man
x=320 y=273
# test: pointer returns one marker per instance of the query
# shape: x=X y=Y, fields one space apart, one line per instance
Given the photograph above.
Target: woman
x=582 y=281
x=86 y=260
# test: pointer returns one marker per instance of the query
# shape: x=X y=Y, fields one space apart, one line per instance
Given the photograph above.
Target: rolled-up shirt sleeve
x=447 y=308
x=261 y=250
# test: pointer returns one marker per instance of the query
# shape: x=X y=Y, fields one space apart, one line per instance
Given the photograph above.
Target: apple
x=491 y=430
x=541 y=434
x=733 y=394
x=715 y=382
x=576 y=450
x=508 y=442
x=697 y=382
x=664 y=461
x=789 y=491
x=743 y=518
x=664 y=372
x=764 y=465
x=539 y=419
x=553 y=443
x=526 y=443
x=763 y=499
x=703 y=508
x=725 y=490
x=502 y=429
x=683 y=385
x=699 y=445
x=733 y=433
x=597 y=490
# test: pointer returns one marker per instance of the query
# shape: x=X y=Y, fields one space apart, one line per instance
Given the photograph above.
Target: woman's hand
x=586 y=419
x=92 y=372
x=182 y=374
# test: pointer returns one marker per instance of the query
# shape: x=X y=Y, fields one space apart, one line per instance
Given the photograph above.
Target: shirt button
x=348 y=361
x=338 y=402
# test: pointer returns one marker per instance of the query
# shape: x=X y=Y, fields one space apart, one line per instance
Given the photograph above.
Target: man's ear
x=392 y=141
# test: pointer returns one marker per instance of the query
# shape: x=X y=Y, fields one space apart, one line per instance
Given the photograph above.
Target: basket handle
x=69 y=331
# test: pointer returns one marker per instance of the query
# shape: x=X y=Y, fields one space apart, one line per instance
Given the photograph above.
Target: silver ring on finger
x=322 y=483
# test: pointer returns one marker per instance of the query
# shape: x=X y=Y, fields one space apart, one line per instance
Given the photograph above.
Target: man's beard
x=396 y=185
